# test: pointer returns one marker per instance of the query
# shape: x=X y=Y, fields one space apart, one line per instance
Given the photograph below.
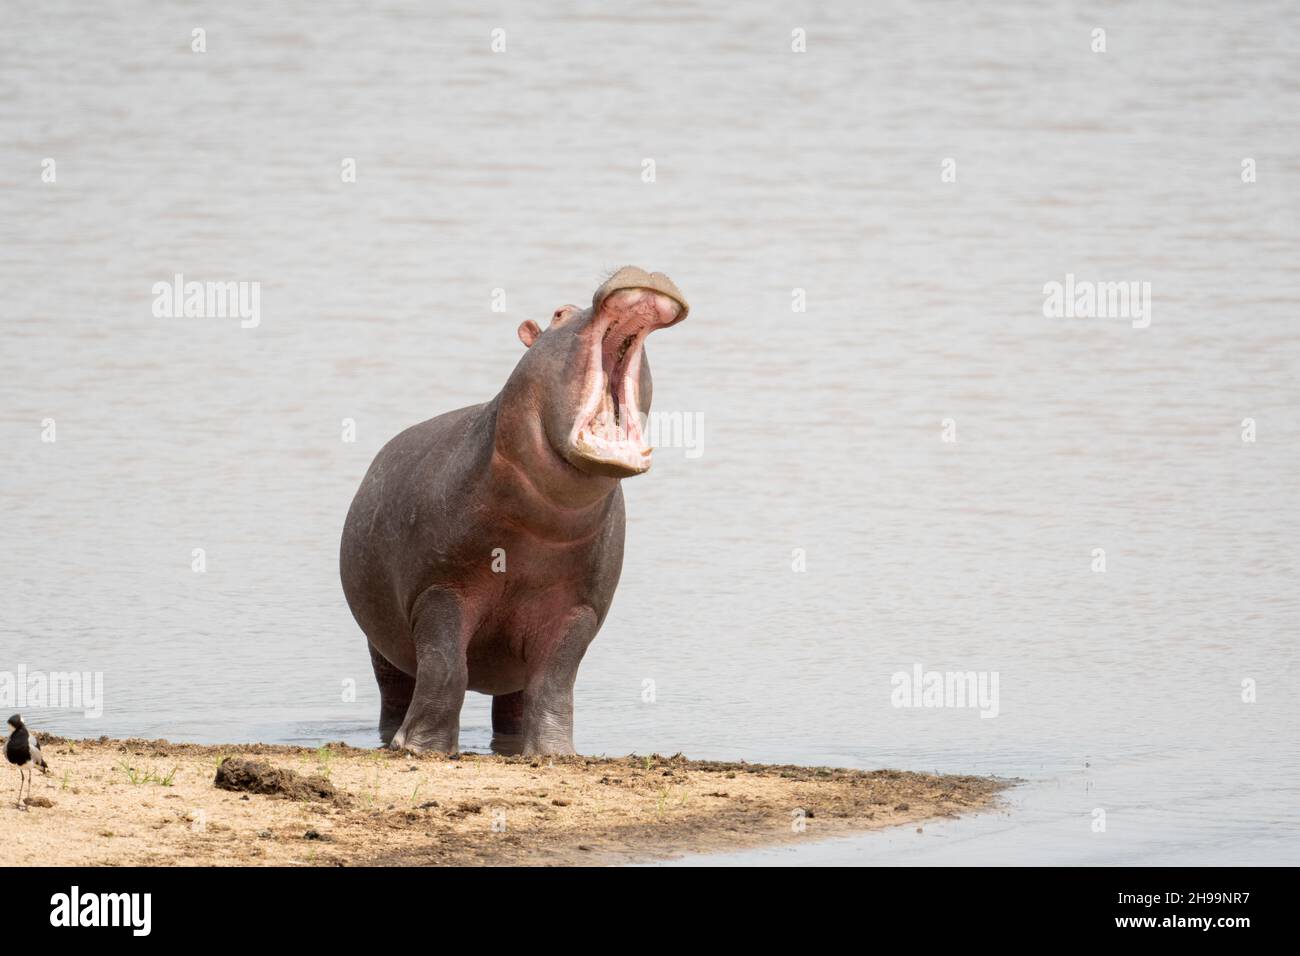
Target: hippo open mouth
x=608 y=433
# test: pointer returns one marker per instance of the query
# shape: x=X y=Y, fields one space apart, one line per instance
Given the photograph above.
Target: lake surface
x=823 y=431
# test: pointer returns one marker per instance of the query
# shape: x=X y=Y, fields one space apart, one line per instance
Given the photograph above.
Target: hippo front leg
x=547 y=698
x=433 y=717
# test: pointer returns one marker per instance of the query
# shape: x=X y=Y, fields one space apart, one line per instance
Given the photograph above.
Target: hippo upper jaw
x=608 y=434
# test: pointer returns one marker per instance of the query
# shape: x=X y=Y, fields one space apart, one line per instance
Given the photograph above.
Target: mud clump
x=257 y=776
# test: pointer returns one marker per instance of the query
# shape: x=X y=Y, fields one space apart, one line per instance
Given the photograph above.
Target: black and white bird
x=23 y=752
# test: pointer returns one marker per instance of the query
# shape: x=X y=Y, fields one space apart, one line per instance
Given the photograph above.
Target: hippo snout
x=631 y=278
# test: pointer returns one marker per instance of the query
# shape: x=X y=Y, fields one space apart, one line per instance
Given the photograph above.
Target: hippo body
x=483 y=547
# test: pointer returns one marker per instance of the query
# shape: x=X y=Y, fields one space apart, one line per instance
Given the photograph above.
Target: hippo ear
x=528 y=332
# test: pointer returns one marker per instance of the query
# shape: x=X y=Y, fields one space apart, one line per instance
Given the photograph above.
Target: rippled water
x=775 y=171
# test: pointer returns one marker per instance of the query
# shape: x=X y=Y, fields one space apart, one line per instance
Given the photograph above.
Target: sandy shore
x=153 y=803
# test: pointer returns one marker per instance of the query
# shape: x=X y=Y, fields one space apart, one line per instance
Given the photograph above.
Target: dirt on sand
x=246 y=775
x=154 y=803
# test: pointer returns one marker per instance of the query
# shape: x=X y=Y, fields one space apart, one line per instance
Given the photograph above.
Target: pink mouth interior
x=610 y=426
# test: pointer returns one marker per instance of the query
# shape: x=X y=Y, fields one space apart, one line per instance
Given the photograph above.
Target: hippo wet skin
x=484 y=546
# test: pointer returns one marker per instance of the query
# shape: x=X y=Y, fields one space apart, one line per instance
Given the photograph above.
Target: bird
x=23 y=751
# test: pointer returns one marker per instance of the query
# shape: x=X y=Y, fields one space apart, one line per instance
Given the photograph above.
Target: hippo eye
x=563 y=313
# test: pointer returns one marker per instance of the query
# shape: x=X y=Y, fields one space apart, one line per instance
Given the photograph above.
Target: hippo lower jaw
x=607 y=438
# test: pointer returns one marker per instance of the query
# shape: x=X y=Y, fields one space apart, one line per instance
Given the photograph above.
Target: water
x=821 y=171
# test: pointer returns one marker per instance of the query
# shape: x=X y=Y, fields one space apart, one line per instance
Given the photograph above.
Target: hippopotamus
x=483 y=547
